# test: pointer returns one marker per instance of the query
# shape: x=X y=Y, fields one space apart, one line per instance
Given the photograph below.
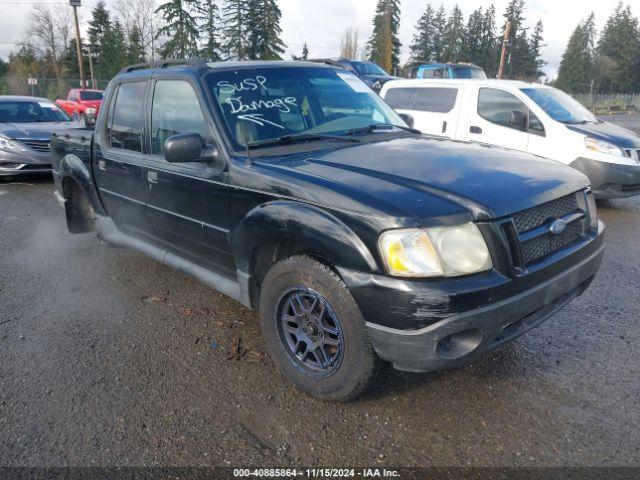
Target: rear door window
x=125 y=126
x=401 y=98
x=438 y=100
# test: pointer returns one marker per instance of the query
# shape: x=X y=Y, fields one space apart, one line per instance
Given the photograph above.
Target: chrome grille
x=42 y=146
x=535 y=217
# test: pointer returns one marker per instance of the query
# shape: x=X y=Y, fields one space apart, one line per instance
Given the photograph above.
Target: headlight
x=91 y=111
x=9 y=145
x=434 y=252
x=602 y=147
x=592 y=210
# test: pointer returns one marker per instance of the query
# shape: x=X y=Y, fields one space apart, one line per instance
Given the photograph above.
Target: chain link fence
x=610 y=103
x=52 y=88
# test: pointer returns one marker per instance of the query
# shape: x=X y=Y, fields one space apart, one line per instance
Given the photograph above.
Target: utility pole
x=75 y=4
x=93 y=78
x=505 y=44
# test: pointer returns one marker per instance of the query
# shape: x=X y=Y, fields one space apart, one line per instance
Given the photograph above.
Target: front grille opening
x=42 y=146
x=537 y=216
x=635 y=188
x=543 y=243
x=10 y=165
x=540 y=247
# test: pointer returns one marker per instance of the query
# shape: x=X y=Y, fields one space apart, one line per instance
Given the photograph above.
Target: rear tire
x=79 y=211
x=314 y=330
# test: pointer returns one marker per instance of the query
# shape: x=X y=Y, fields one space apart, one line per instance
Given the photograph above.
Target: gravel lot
x=109 y=358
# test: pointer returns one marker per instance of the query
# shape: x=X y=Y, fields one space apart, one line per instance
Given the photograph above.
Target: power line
x=36 y=3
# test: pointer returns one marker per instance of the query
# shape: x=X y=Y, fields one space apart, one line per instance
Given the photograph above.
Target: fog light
x=459 y=344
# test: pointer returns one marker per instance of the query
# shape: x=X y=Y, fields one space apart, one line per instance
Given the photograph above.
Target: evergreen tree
x=473 y=37
x=98 y=26
x=384 y=44
x=211 y=20
x=181 y=28
x=71 y=60
x=620 y=42
x=4 y=88
x=235 y=13
x=114 y=52
x=489 y=53
x=135 y=48
x=439 y=26
x=454 y=37
x=534 y=70
x=422 y=47
x=576 y=65
x=519 y=53
x=264 y=31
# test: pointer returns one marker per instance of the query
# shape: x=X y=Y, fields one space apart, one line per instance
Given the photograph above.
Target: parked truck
x=294 y=189
x=82 y=105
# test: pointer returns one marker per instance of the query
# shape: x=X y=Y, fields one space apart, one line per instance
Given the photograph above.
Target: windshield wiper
x=300 y=137
x=380 y=126
x=580 y=122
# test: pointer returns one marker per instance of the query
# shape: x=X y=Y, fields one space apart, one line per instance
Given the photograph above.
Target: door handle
x=444 y=127
x=475 y=129
x=102 y=165
x=152 y=176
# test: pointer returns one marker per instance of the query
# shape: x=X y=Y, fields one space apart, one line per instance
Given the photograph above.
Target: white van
x=527 y=117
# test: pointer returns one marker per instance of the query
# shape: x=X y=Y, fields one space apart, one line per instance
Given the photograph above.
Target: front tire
x=314 y=330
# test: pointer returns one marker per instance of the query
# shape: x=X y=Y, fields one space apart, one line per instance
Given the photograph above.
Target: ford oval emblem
x=557 y=227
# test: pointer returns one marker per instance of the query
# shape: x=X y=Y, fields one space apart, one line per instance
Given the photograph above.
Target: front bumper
x=610 y=180
x=425 y=326
x=23 y=163
x=462 y=338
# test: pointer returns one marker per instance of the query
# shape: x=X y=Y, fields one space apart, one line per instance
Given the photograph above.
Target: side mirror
x=408 y=119
x=184 y=147
x=212 y=157
x=516 y=119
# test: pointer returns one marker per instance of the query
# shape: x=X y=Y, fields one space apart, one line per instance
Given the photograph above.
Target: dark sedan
x=26 y=125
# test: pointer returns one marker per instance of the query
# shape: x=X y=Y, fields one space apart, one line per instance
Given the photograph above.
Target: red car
x=82 y=105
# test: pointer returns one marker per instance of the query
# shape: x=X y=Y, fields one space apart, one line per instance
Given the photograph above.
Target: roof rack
x=165 y=63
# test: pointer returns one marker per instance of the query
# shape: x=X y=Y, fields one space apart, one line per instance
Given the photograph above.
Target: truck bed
x=74 y=141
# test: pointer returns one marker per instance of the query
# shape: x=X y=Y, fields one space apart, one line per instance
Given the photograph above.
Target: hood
x=608 y=132
x=433 y=180
x=34 y=131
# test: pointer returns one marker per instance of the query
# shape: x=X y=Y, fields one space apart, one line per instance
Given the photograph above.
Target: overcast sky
x=321 y=23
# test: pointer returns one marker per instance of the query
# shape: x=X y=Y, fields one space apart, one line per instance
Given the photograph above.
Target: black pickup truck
x=297 y=191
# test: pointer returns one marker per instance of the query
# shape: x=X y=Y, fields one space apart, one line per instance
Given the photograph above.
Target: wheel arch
x=73 y=171
x=277 y=230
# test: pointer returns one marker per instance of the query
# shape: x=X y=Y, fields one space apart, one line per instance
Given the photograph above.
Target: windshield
x=469 y=72
x=90 y=96
x=28 y=112
x=368 y=68
x=560 y=106
x=268 y=103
